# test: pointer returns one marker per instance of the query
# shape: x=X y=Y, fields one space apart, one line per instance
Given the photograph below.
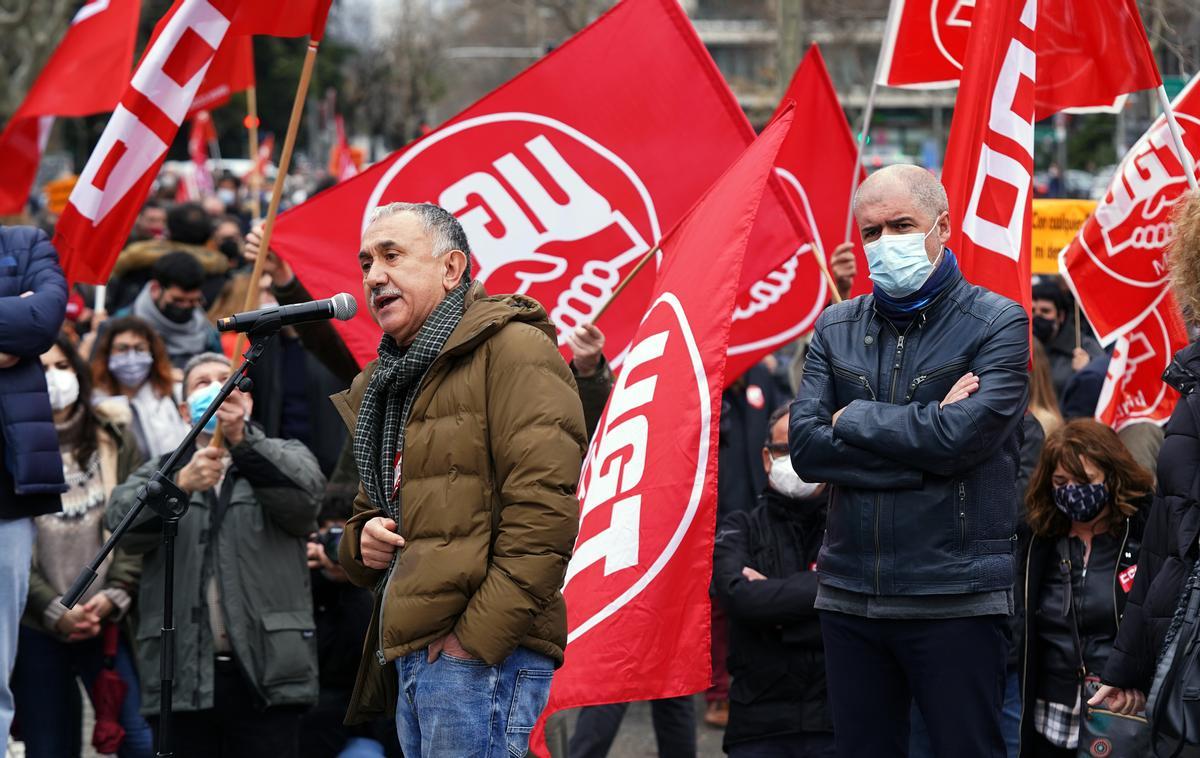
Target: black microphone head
x=344 y=306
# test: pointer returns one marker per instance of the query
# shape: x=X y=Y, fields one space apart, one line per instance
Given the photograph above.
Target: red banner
x=815 y=165
x=86 y=74
x=231 y=70
x=1117 y=264
x=118 y=175
x=1088 y=53
x=989 y=159
x=637 y=584
x=1133 y=389
x=563 y=178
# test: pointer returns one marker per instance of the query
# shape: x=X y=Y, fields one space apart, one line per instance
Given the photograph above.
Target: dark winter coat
x=776 y=657
x=31 y=474
x=1169 y=547
x=746 y=405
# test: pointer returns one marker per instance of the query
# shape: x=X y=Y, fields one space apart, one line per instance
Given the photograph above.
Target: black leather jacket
x=924 y=497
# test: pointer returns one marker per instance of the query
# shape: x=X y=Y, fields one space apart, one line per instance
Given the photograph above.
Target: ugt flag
x=637 y=584
x=563 y=179
x=989 y=158
x=1133 y=389
x=1117 y=264
x=118 y=175
x=815 y=166
x=86 y=74
x=1089 y=53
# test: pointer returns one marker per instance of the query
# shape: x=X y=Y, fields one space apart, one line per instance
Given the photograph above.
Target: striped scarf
x=383 y=415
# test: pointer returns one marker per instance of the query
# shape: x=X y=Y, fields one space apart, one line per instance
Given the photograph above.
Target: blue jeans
x=457 y=707
x=48 y=697
x=1010 y=722
x=16 y=556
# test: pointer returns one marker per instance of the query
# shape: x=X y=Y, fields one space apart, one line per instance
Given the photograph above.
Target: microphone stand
x=165 y=498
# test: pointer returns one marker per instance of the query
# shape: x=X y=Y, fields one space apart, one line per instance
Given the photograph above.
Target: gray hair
x=200 y=360
x=440 y=224
x=924 y=188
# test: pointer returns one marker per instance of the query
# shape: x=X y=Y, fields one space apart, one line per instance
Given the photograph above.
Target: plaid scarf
x=379 y=433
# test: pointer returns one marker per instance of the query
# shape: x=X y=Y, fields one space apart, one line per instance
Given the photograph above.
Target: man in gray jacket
x=246 y=663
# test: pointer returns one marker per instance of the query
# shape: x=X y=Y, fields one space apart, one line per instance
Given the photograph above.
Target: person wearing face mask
x=61 y=648
x=911 y=407
x=246 y=665
x=764 y=575
x=1086 y=507
x=173 y=304
x=131 y=368
x=1053 y=326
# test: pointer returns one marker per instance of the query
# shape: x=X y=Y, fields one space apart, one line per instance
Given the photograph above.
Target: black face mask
x=230 y=249
x=176 y=313
x=1044 y=328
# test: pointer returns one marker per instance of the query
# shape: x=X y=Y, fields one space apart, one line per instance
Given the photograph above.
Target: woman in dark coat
x=1170 y=545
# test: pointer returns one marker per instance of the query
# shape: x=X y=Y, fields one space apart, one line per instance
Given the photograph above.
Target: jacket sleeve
x=319 y=337
x=820 y=456
x=537 y=442
x=144 y=535
x=350 y=546
x=28 y=325
x=944 y=441
x=593 y=393
x=41 y=597
x=774 y=600
x=286 y=478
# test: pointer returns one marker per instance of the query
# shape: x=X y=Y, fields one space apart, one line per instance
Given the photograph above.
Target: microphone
x=341 y=306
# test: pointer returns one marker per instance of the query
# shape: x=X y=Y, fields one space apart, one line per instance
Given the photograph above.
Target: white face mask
x=898 y=263
x=784 y=480
x=63 y=388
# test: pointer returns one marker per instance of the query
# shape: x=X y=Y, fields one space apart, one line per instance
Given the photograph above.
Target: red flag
x=203 y=133
x=342 y=163
x=86 y=74
x=1133 y=389
x=1088 y=53
x=563 y=178
x=989 y=159
x=303 y=18
x=118 y=175
x=815 y=164
x=1117 y=264
x=232 y=70
x=637 y=584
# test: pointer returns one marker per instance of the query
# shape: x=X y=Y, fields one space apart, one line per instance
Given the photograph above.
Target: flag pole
x=1189 y=165
x=285 y=159
x=625 y=282
x=824 y=266
x=252 y=129
x=868 y=112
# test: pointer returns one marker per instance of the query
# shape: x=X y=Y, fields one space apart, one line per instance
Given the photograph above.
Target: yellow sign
x=1055 y=223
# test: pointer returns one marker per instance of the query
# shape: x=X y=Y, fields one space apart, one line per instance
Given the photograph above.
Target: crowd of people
x=925 y=544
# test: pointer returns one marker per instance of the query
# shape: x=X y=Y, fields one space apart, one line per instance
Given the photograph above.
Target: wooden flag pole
x=625 y=282
x=824 y=266
x=1189 y=165
x=285 y=160
x=255 y=177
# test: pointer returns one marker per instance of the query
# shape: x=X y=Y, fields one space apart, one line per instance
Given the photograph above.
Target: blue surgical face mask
x=898 y=262
x=199 y=401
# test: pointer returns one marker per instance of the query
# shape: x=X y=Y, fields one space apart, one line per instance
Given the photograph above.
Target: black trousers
x=235 y=727
x=674 y=728
x=953 y=668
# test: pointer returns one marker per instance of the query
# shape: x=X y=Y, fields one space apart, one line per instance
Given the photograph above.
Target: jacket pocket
x=851 y=384
x=289 y=648
x=932 y=385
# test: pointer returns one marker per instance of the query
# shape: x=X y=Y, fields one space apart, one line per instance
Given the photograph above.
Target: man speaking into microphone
x=911 y=406
x=468 y=437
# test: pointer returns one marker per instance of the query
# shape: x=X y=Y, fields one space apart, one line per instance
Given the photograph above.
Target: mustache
x=379 y=292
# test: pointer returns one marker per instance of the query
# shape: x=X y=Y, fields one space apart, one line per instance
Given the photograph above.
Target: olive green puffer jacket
x=493 y=448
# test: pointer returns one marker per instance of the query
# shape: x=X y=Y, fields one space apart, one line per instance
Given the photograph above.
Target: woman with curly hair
x=1085 y=509
x=1170 y=545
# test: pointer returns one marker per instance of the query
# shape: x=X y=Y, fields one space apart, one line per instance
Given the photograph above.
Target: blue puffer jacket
x=924 y=497
x=33 y=473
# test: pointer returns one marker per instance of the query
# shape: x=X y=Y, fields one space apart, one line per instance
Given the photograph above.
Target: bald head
x=892 y=182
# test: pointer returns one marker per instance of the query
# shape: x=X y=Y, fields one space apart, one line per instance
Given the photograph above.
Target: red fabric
x=108 y=694
x=118 y=175
x=638 y=610
x=86 y=74
x=562 y=178
x=1117 y=264
x=989 y=159
x=1089 y=53
x=1133 y=388
x=341 y=156
x=204 y=132
x=300 y=18
x=231 y=71
x=815 y=165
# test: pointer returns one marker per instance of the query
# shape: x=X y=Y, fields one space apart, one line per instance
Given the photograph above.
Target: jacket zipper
x=962 y=517
x=912 y=388
x=1117 y=574
x=860 y=378
x=899 y=359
